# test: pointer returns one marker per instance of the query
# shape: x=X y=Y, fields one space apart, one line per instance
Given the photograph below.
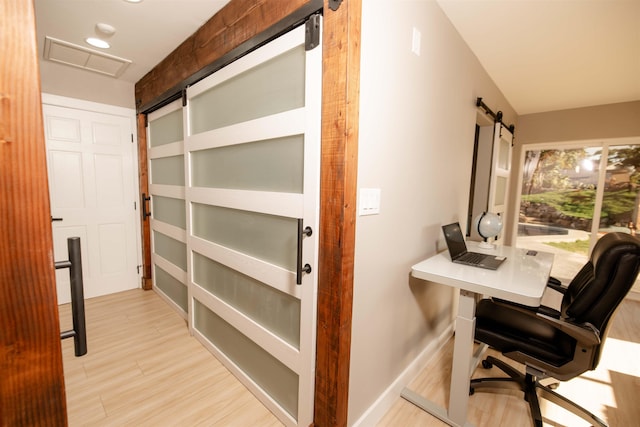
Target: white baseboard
x=386 y=400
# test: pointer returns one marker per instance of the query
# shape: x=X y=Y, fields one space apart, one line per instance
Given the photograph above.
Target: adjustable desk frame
x=522 y=279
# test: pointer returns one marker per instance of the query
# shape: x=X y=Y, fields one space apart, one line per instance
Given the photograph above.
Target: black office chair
x=563 y=343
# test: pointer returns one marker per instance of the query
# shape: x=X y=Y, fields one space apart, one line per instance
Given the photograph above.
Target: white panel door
x=500 y=169
x=92 y=184
x=500 y=172
x=492 y=171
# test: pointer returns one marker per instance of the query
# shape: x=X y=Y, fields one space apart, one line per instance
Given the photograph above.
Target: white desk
x=521 y=279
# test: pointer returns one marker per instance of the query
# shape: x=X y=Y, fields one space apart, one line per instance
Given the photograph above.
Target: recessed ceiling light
x=133 y=1
x=98 y=43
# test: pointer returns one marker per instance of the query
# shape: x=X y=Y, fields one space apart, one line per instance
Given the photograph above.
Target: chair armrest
x=584 y=333
x=543 y=309
x=548 y=311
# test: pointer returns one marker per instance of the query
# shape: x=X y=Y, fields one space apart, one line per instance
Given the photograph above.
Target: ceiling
x=544 y=55
x=145 y=32
x=548 y=55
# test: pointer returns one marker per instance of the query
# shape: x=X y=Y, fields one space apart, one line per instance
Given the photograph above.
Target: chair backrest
x=600 y=286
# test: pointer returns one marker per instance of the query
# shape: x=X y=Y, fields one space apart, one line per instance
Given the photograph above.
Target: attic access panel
x=81 y=57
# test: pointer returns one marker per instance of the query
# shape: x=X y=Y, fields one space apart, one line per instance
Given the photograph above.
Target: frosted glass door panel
x=165 y=134
x=170 y=210
x=166 y=129
x=171 y=287
x=168 y=170
x=272 y=87
x=504 y=155
x=272 y=165
x=266 y=371
x=276 y=311
x=170 y=249
x=267 y=237
x=501 y=190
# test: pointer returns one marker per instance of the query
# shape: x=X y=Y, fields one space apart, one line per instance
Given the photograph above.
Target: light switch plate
x=416 y=39
x=369 y=203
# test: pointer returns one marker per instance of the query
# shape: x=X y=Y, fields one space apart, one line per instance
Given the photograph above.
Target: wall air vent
x=81 y=57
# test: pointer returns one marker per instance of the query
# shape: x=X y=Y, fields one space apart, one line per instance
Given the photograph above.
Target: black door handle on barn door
x=306 y=231
x=145 y=212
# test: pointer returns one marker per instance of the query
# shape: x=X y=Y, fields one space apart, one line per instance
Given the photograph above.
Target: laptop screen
x=455 y=239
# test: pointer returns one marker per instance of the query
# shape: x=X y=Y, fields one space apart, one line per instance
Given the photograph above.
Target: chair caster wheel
x=486 y=364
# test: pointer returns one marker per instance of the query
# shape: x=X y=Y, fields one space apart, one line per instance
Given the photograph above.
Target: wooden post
x=145 y=223
x=340 y=112
x=31 y=376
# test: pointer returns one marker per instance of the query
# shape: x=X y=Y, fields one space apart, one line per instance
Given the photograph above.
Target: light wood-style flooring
x=610 y=392
x=143 y=369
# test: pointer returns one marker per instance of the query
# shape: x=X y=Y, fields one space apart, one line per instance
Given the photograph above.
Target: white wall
x=64 y=80
x=417 y=119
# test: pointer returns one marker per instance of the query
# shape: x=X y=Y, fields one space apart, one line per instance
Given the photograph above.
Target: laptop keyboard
x=472 y=257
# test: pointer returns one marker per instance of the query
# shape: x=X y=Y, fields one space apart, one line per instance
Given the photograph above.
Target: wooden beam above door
x=239 y=22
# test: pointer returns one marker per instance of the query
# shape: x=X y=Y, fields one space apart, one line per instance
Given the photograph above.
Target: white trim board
x=81 y=104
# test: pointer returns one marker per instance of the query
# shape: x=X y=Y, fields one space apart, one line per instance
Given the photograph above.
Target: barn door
x=234 y=170
x=253 y=150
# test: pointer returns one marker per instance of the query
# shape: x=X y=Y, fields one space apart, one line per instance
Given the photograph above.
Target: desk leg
x=456 y=415
x=462 y=355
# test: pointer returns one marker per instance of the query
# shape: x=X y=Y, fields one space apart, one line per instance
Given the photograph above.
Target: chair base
x=532 y=391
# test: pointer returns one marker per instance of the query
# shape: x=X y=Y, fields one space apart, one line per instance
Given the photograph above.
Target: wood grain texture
x=340 y=108
x=143 y=180
x=31 y=379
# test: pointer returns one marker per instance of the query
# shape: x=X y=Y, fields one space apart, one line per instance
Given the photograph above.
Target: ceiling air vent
x=77 y=56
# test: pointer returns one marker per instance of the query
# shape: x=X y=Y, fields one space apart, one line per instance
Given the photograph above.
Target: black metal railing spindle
x=74 y=264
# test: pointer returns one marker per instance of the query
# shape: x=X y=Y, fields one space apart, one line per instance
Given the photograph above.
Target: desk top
x=521 y=278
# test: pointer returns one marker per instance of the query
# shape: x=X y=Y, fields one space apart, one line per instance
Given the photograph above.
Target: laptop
x=460 y=255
